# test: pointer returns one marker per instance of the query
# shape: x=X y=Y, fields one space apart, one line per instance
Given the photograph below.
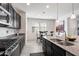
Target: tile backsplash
x=6 y=31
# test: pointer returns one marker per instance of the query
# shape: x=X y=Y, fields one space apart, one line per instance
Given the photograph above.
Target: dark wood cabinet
x=57 y=51
x=48 y=47
x=22 y=43
x=44 y=45
x=3 y=16
x=51 y=49
x=18 y=21
x=15 y=18
x=11 y=18
x=5 y=6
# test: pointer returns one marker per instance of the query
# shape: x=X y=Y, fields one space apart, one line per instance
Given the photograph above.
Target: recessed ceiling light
x=47 y=6
x=28 y=3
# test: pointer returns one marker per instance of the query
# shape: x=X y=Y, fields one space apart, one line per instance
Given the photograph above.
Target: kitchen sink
x=56 y=40
x=61 y=42
x=65 y=43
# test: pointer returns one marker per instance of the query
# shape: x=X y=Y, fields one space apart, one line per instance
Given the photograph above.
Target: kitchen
x=39 y=29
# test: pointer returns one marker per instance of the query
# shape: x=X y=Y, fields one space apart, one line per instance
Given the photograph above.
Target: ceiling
x=39 y=10
x=20 y=6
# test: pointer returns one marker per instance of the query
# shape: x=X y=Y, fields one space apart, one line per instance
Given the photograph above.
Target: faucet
x=65 y=36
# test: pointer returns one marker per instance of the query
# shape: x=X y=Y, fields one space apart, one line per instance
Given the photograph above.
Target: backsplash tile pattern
x=6 y=31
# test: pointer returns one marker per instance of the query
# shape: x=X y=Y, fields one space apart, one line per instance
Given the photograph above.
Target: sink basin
x=56 y=40
x=65 y=43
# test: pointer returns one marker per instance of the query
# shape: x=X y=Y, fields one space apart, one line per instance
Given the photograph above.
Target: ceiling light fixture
x=28 y=3
x=47 y=6
x=73 y=16
x=57 y=14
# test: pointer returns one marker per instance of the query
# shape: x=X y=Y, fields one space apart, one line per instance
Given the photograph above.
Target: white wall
x=32 y=21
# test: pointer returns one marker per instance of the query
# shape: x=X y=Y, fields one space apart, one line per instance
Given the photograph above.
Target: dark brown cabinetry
x=18 y=21
x=57 y=51
x=51 y=49
x=4 y=14
x=22 y=43
x=14 y=19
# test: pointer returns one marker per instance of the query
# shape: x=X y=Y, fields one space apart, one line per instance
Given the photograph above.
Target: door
x=36 y=28
x=33 y=29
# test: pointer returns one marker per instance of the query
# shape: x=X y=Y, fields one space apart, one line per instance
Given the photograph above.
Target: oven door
x=13 y=51
x=16 y=51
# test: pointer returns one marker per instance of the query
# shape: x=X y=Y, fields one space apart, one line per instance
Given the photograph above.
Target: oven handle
x=9 y=53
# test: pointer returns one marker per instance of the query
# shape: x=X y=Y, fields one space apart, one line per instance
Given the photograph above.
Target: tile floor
x=32 y=46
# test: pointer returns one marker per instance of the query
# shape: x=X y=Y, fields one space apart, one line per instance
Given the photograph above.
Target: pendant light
x=57 y=13
x=73 y=16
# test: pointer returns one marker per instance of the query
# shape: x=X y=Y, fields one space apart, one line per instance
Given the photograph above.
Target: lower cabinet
x=48 y=50
x=44 y=45
x=22 y=42
x=51 y=49
x=69 y=54
x=16 y=51
x=57 y=51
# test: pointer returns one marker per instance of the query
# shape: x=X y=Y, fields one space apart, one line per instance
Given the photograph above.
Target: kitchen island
x=54 y=48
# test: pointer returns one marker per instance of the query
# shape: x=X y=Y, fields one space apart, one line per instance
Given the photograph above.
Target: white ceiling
x=20 y=6
x=35 y=10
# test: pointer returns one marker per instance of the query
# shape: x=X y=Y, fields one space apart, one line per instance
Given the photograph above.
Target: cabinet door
x=44 y=46
x=2 y=16
x=5 y=5
x=22 y=43
x=14 y=19
x=48 y=50
x=18 y=21
x=57 y=51
x=48 y=45
x=11 y=18
x=16 y=52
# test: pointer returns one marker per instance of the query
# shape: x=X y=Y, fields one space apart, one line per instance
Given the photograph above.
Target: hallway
x=32 y=46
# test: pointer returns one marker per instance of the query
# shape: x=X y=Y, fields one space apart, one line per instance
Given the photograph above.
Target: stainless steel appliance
x=13 y=50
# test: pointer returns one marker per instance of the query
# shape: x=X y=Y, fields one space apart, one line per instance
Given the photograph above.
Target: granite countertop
x=74 y=49
x=10 y=37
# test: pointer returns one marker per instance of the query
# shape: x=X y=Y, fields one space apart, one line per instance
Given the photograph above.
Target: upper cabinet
x=9 y=16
